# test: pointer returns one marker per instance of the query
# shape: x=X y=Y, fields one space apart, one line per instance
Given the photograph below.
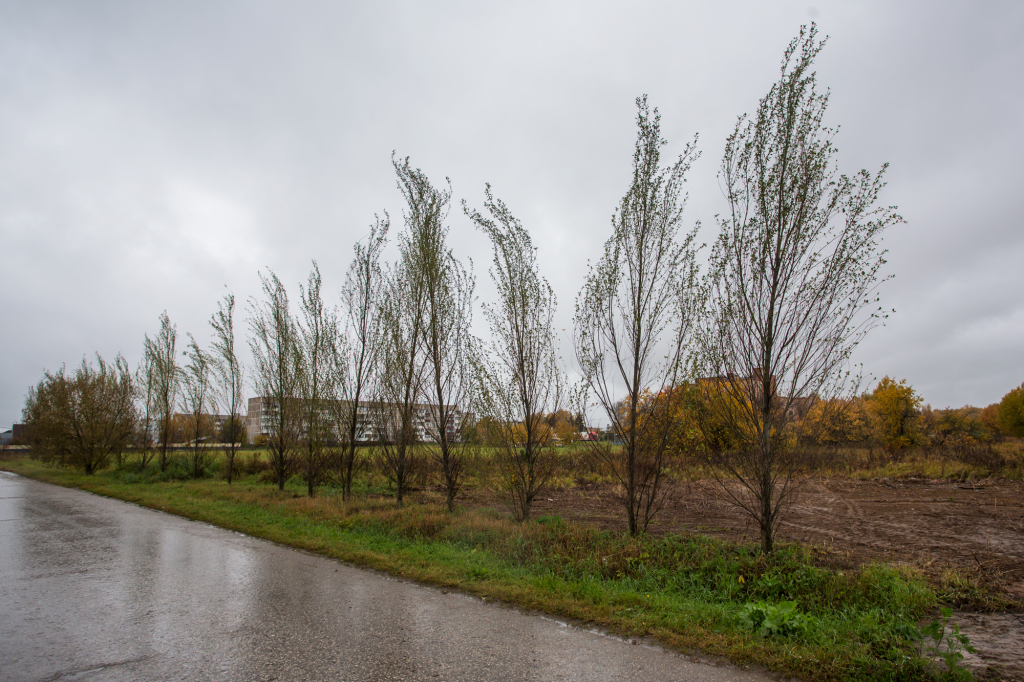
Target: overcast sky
x=154 y=156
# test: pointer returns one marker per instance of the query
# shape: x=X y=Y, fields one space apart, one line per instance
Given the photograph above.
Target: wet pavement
x=97 y=589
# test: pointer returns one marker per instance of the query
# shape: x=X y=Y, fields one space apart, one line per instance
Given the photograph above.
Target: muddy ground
x=936 y=525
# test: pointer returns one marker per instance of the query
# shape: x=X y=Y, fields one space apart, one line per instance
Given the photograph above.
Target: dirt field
x=932 y=524
x=936 y=525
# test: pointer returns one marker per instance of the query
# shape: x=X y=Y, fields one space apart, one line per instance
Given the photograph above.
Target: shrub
x=774 y=619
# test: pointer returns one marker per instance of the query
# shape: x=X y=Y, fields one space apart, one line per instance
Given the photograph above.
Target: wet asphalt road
x=97 y=589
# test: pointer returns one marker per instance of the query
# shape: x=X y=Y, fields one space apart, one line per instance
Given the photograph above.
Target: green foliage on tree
x=162 y=360
x=85 y=418
x=317 y=341
x=358 y=351
x=520 y=380
x=233 y=430
x=447 y=287
x=198 y=401
x=228 y=371
x=276 y=373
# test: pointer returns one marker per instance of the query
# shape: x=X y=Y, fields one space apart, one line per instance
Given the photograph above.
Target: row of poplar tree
x=788 y=292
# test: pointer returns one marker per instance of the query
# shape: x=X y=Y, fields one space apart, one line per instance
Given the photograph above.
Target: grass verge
x=688 y=591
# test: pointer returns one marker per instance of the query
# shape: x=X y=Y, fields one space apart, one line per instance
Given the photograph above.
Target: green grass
x=687 y=591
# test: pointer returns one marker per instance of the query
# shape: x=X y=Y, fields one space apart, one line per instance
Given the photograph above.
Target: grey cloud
x=151 y=154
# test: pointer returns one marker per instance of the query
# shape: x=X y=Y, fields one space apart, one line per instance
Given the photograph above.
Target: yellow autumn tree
x=957 y=431
x=836 y=423
x=565 y=427
x=1010 y=413
x=896 y=409
x=673 y=410
x=989 y=418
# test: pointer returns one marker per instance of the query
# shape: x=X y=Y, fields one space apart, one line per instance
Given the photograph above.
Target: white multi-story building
x=371 y=419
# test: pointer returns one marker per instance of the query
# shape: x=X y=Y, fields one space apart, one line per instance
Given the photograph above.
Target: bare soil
x=976 y=528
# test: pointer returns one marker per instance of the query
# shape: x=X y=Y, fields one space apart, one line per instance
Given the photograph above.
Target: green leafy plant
x=941 y=639
x=774 y=619
x=478 y=573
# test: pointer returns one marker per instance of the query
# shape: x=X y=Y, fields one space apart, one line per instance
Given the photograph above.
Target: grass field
x=688 y=591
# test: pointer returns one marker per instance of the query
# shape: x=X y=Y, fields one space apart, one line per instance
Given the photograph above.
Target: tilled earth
x=937 y=525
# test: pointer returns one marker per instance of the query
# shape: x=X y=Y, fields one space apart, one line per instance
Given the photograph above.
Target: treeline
x=891 y=418
x=734 y=365
x=894 y=418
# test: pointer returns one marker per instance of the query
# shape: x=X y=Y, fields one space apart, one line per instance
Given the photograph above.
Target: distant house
x=753 y=386
x=799 y=407
x=16 y=435
x=20 y=434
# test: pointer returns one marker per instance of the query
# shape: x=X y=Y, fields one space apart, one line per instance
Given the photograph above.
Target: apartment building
x=371 y=419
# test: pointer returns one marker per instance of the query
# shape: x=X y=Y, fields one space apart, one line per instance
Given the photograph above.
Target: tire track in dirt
x=851 y=528
x=929 y=523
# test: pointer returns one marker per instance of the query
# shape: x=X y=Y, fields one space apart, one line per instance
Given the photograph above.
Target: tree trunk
x=310 y=487
x=231 y=458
